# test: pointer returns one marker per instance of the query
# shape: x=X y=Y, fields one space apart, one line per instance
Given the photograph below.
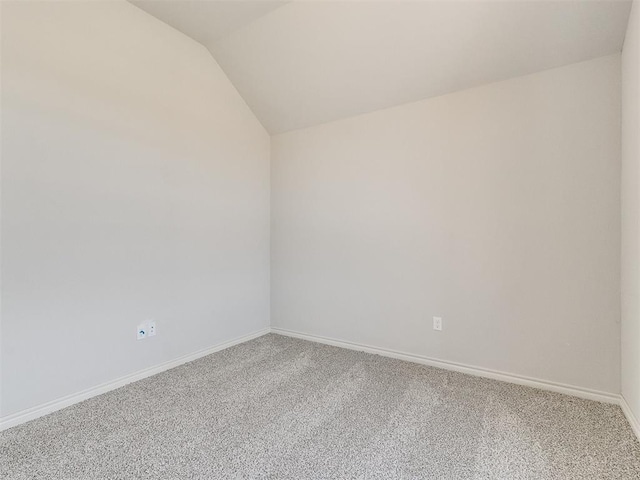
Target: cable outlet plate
x=141 y=332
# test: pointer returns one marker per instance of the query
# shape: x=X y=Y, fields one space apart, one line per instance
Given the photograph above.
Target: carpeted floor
x=281 y=408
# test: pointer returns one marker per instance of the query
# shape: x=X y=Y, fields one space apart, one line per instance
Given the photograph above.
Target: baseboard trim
x=631 y=418
x=459 y=367
x=50 y=407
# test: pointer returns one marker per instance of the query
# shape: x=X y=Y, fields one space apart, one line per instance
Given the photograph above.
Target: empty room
x=319 y=239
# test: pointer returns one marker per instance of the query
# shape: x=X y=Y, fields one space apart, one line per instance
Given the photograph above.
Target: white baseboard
x=631 y=418
x=459 y=367
x=44 y=409
x=49 y=407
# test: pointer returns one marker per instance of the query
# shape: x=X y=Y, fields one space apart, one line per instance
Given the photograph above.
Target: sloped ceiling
x=303 y=63
x=207 y=20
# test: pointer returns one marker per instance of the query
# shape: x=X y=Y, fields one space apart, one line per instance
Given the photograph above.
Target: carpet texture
x=282 y=408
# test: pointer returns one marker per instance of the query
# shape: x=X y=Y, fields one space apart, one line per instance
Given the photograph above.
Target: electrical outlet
x=151 y=329
x=141 y=333
x=437 y=323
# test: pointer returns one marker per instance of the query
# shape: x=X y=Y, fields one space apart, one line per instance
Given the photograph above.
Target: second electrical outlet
x=437 y=323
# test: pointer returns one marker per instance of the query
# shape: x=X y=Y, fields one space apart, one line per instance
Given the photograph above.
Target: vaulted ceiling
x=302 y=63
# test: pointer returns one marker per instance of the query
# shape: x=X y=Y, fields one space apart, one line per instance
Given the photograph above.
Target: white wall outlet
x=437 y=323
x=141 y=333
x=151 y=329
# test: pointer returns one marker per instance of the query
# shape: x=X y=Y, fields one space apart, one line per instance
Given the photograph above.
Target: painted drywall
x=631 y=214
x=135 y=185
x=495 y=208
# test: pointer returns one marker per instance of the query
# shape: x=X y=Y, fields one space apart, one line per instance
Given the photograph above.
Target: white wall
x=497 y=208
x=135 y=185
x=631 y=214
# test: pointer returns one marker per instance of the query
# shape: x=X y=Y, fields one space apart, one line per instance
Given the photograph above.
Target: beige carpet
x=282 y=408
